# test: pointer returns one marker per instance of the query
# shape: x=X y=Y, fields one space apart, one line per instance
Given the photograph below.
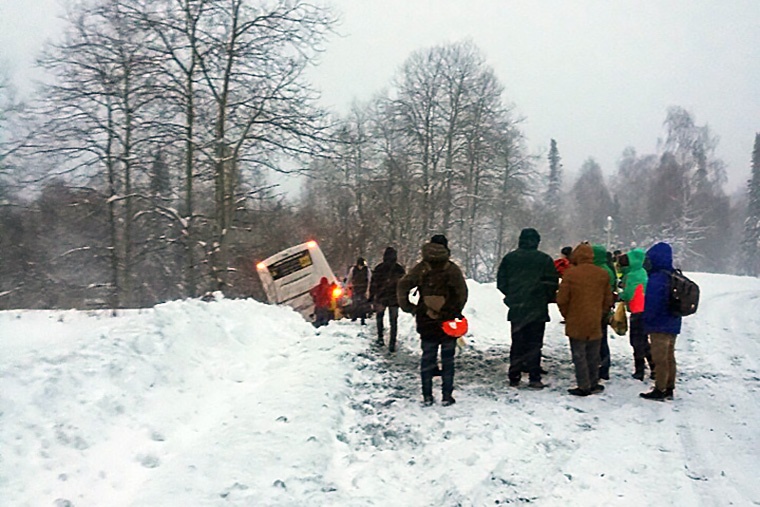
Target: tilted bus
x=289 y=275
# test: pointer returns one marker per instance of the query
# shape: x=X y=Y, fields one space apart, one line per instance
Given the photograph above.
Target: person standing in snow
x=584 y=297
x=320 y=294
x=442 y=297
x=662 y=326
x=382 y=294
x=603 y=259
x=358 y=281
x=634 y=287
x=528 y=280
x=563 y=262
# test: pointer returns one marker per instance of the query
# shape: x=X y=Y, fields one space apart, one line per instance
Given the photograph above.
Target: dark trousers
x=359 y=310
x=429 y=364
x=392 y=317
x=604 y=349
x=321 y=316
x=525 y=352
x=586 y=362
x=638 y=337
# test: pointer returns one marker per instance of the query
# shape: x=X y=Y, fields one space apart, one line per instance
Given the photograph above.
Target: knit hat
x=441 y=240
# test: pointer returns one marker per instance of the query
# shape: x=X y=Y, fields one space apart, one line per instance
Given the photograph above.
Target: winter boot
x=392 y=344
x=380 y=342
x=577 y=391
x=669 y=393
x=428 y=400
x=448 y=400
x=597 y=389
x=654 y=394
x=638 y=364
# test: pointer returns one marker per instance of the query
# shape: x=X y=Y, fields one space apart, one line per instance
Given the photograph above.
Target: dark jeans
x=322 y=316
x=586 y=361
x=638 y=337
x=525 y=352
x=604 y=349
x=359 y=310
x=429 y=364
x=392 y=317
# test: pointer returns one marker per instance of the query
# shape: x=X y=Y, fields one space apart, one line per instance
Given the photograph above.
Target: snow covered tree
x=750 y=258
x=592 y=204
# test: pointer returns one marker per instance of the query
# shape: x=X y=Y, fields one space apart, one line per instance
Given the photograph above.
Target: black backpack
x=684 y=294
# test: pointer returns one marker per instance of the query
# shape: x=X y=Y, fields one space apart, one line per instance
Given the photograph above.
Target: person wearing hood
x=320 y=294
x=660 y=324
x=603 y=259
x=358 y=282
x=382 y=294
x=442 y=297
x=528 y=279
x=634 y=283
x=584 y=297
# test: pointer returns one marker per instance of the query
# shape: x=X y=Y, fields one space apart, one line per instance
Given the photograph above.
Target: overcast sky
x=595 y=75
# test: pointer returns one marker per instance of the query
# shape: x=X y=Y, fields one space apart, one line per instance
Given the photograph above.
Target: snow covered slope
x=241 y=403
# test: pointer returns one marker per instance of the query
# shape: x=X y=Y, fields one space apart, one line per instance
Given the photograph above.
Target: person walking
x=358 y=281
x=584 y=296
x=602 y=258
x=383 y=294
x=634 y=283
x=660 y=324
x=528 y=279
x=442 y=297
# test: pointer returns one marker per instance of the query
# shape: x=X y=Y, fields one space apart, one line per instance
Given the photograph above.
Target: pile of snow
x=242 y=403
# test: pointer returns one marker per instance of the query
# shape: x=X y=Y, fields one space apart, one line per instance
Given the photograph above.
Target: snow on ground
x=235 y=402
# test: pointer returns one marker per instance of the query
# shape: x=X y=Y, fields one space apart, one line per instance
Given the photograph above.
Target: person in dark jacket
x=662 y=326
x=382 y=294
x=603 y=259
x=358 y=281
x=529 y=281
x=442 y=296
x=584 y=297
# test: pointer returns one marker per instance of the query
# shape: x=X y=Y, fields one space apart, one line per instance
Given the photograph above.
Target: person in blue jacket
x=662 y=326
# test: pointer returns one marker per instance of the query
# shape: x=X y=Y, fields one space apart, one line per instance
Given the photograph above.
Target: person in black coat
x=528 y=279
x=382 y=294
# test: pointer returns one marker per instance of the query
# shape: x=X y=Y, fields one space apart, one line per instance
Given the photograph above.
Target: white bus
x=288 y=276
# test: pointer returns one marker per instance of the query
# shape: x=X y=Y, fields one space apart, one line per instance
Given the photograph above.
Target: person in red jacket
x=321 y=295
x=563 y=262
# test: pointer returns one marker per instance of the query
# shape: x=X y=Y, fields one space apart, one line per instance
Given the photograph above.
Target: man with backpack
x=662 y=325
x=528 y=279
x=442 y=296
x=382 y=294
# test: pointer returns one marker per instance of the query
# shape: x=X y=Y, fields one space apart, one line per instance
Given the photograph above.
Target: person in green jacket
x=601 y=260
x=528 y=279
x=634 y=287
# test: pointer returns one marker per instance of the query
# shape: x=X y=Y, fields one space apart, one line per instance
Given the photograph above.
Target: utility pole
x=608 y=229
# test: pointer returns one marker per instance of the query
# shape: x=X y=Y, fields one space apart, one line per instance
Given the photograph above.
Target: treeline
x=144 y=171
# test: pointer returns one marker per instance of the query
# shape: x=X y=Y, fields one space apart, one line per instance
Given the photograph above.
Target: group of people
x=584 y=283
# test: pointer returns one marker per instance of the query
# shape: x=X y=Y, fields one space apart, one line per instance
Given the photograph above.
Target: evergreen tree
x=751 y=242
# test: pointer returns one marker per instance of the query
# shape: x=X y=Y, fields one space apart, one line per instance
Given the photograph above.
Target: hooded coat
x=600 y=259
x=634 y=281
x=657 y=316
x=442 y=289
x=584 y=295
x=528 y=279
x=385 y=278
